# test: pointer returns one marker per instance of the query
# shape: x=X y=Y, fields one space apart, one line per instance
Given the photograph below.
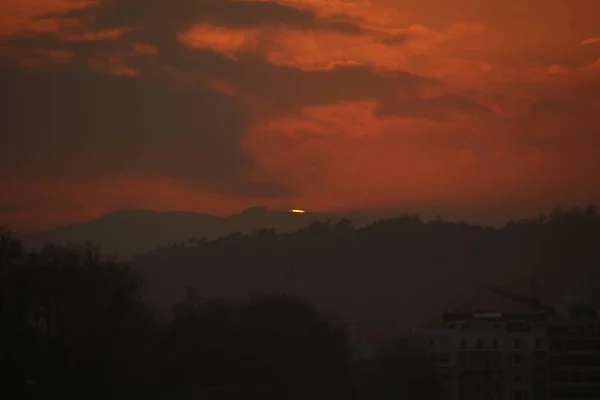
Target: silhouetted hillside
x=130 y=232
x=74 y=326
x=392 y=273
x=79 y=325
x=385 y=275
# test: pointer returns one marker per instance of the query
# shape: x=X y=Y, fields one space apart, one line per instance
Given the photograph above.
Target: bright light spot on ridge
x=297 y=211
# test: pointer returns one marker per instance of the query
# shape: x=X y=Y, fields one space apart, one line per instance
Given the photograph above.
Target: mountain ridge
x=127 y=232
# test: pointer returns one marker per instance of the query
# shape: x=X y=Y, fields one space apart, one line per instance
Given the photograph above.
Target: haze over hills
x=128 y=232
x=395 y=274
x=380 y=274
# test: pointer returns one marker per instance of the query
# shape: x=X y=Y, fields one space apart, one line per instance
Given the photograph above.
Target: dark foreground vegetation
x=75 y=324
x=394 y=274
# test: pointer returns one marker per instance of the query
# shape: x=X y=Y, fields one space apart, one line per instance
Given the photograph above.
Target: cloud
x=73 y=122
x=176 y=15
x=144 y=48
x=22 y=17
x=331 y=104
x=593 y=40
x=35 y=203
x=109 y=34
x=348 y=153
x=436 y=108
x=317 y=50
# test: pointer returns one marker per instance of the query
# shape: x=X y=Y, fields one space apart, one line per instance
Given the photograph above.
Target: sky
x=324 y=105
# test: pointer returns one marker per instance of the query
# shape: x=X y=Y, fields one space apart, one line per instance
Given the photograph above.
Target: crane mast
x=532 y=300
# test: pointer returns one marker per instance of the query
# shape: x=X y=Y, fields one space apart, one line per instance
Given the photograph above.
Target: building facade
x=574 y=355
x=491 y=356
x=518 y=356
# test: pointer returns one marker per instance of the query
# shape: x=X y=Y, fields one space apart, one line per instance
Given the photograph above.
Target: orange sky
x=216 y=105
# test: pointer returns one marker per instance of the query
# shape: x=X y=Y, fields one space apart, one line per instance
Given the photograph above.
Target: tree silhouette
x=74 y=322
x=271 y=345
x=403 y=371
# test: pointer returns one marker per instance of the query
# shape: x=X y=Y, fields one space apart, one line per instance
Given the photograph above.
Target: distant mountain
x=128 y=232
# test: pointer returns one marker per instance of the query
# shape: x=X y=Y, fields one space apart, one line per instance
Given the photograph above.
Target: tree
x=404 y=371
x=301 y=352
x=86 y=326
x=271 y=345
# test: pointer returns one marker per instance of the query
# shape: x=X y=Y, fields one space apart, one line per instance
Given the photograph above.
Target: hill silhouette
x=383 y=276
x=391 y=274
x=280 y=315
x=128 y=232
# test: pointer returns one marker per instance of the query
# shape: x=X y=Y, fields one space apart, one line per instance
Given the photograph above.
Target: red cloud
x=348 y=104
x=109 y=34
x=23 y=16
x=344 y=156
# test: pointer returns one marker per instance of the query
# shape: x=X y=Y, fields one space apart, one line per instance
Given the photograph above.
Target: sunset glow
x=332 y=104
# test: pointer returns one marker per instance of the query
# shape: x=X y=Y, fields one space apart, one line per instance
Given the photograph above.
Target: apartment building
x=574 y=355
x=491 y=356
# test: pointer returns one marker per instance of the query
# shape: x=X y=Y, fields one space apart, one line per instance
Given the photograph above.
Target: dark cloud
x=176 y=15
x=546 y=106
x=74 y=122
x=438 y=108
x=395 y=39
x=288 y=89
x=158 y=22
x=68 y=120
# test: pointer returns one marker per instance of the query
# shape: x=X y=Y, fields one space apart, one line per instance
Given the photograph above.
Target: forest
x=391 y=275
x=267 y=313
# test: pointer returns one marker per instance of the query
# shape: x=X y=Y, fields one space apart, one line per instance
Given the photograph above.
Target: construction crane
x=532 y=300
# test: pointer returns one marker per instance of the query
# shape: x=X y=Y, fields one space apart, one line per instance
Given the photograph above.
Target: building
x=574 y=355
x=491 y=356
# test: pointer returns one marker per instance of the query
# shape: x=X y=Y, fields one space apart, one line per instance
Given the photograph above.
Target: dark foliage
x=73 y=323
x=73 y=326
x=385 y=273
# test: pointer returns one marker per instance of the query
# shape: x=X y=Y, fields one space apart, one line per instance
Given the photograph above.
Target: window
x=517 y=359
x=463 y=343
x=431 y=342
x=518 y=378
x=479 y=343
x=538 y=343
x=495 y=343
x=513 y=327
x=520 y=395
x=517 y=343
x=444 y=359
